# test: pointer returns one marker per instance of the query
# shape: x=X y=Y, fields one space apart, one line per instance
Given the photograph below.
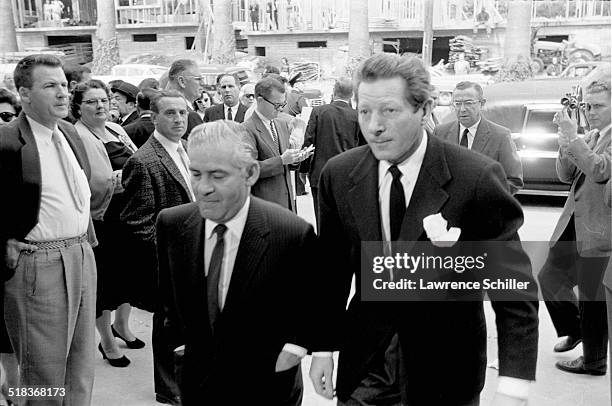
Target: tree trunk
x=7 y=28
x=223 y=41
x=106 y=47
x=359 y=35
x=518 y=32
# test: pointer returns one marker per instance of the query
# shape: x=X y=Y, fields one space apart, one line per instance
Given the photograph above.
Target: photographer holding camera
x=583 y=230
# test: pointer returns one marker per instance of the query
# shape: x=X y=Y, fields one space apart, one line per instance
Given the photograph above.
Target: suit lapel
x=30 y=163
x=482 y=136
x=283 y=135
x=452 y=135
x=253 y=246
x=240 y=113
x=169 y=164
x=265 y=135
x=363 y=197
x=428 y=195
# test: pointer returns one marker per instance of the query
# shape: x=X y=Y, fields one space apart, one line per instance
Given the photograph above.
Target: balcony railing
x=157 y=12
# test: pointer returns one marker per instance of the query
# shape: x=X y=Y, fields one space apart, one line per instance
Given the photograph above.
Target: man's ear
x=24 y=95
x=154 y=118
x=427 y=107
x=252 y=174
x=181 y=81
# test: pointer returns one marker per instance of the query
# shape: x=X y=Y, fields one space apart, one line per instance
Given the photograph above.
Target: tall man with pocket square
x=414 y=353
x=154 y=178
x=47 y=260
x=235 y=279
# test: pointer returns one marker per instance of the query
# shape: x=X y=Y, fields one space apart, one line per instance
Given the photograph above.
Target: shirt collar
x=472 y=129
x=40 y=129
x=410 y=166
x=235 y=225
x=166 y=142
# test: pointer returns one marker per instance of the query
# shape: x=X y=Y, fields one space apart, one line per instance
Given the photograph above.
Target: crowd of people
x=182 y=202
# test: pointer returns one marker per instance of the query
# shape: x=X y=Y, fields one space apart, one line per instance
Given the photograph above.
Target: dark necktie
x=397 y=203
x=229 y=114
x=464 y=138
x=274 y=136
x=214 y=274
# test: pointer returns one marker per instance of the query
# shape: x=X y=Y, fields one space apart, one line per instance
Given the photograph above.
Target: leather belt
x=55 y=244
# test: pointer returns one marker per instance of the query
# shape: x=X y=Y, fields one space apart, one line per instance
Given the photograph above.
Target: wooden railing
x=159 y=12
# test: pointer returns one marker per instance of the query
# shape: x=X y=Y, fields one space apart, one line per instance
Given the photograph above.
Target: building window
x=312 y=44
x=189 y=42
x=260 y=51
x=144 y=37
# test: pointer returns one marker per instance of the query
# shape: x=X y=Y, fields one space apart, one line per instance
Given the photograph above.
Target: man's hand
x=321 y=371
x=12 y=251
x=568 y=127
x=505 y=400
x=291 y=156
x=285 y=361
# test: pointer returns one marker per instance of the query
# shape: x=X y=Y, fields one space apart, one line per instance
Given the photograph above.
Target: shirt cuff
x=326 y=354
x=513 y=387
x=296 y=350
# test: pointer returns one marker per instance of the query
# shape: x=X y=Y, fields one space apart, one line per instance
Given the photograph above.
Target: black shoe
x=567 y=344
x=174 y=401
x=577 y=367
x=134 y=345
x=117 y=362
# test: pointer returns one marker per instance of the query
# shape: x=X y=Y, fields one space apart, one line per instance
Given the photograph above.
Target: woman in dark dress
x=108 y=148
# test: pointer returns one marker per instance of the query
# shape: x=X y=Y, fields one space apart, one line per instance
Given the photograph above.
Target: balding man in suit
x=475 y=132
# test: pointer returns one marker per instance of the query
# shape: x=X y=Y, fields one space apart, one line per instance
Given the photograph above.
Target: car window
x=540 y=121
x=158 y=71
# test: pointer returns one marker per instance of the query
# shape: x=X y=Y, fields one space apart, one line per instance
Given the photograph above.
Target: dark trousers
x=315 y=202
x=164 y=376
x=583 y=317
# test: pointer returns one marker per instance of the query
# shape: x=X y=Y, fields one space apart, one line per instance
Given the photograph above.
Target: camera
x=575 y=106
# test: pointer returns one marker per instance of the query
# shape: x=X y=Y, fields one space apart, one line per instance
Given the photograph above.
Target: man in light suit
x=270 y=139
x=47 y=261
x=580 y=244
x=228 y=87
x=154 y=178
x=332 y=129
x=475 y=132
x=389 y=352
x=231 y=282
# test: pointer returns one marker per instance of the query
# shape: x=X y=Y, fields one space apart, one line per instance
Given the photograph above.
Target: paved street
x=133 y=386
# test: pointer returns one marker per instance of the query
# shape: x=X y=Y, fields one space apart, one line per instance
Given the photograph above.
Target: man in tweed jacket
x=156 y=177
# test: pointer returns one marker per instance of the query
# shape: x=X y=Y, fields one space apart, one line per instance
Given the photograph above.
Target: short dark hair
x=22 y=75
x=149 y=83
x=466 y=84
x=387 y=66
x=6 y=96
x=343 y=88
x=222 y=75
x=179 y=66
x=154 y=102
x=75 y=72
x=265 y=86
x=271 y=69
x=79 y=90
x=143 y=100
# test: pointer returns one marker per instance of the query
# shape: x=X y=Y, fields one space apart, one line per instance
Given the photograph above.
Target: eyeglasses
x=7 y=116
x=467 y=103
x=93 y=102
x=196 y=78
x=250 y=96
x=200 y=101
x=277 y=106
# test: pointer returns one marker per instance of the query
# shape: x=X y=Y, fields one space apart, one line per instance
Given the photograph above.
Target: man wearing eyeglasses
x=228 y=87
x=475 y=132
x=247 y=95
x=270 y=138
x=185 y=77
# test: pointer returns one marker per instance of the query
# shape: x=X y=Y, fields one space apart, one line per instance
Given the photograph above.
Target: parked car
x=133 y=73
x=527 y=109
x=579 y=70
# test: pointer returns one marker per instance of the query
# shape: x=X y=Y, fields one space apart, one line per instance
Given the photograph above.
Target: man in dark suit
x=475 y=132
x=270 y=139
x=47 y=261
x=230 y=279
x=332 y=129
x=140 y=130
x=228 y=87
x=580 y=244
x=185 y=77
x=125 y=94
x=154 y=178
x=415 y=353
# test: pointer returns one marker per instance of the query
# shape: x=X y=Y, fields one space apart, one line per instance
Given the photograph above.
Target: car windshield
x=540 y=122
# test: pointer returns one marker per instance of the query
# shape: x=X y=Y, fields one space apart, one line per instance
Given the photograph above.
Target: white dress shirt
x=410 y=169
x=172 y=148
x=232 y=237
x=58 y=216
x=234 y=111
x=471 y=132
